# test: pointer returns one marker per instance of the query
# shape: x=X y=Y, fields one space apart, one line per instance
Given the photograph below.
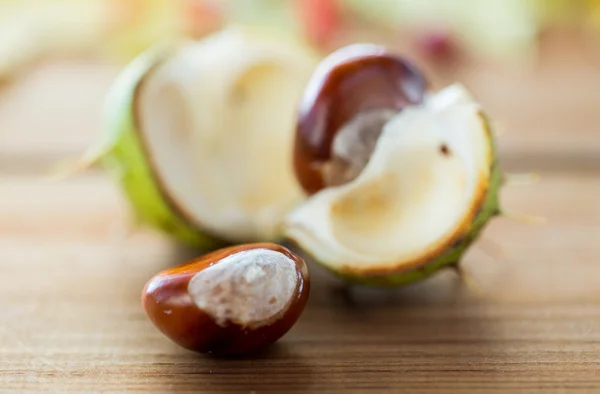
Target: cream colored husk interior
x=218 y=122
x=419 y=190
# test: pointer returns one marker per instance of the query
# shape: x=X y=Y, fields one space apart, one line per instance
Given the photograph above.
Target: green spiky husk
x=123 y=156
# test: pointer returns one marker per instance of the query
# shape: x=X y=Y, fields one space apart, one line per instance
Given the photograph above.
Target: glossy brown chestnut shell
x=354 y=80
x=170 y=306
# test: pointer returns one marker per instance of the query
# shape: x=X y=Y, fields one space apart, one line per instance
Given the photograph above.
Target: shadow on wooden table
x=269 y=371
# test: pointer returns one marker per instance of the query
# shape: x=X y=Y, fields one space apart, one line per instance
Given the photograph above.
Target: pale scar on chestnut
x=353 y=146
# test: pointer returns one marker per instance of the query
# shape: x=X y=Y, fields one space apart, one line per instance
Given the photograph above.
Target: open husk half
x=200 y=135
x=428 y=189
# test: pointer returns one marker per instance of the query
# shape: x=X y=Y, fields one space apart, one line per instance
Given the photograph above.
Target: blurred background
x=70 y=299
x=533 y=64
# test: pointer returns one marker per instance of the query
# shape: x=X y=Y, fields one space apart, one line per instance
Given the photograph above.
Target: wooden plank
x=71 y=319
x=33 y=207
x=52 y=113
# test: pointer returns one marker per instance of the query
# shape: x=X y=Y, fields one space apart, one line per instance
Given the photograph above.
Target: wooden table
x=70 y=278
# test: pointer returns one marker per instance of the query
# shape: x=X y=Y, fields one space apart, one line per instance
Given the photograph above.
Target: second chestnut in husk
x=349 y=98
x=401 y=178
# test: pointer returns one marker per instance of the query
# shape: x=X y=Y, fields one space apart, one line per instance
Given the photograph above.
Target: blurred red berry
x=201 y=17
x=321 y=20
x=437 y=45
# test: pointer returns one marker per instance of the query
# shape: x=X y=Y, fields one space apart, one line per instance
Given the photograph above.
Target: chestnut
x=232 y=301
x=351 y=95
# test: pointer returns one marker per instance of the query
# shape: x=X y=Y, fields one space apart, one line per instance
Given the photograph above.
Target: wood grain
x=525 y=319
x=72 y=322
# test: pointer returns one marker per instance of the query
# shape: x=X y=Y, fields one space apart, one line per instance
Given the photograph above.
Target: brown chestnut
x=350 y=97
x=232 y=301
